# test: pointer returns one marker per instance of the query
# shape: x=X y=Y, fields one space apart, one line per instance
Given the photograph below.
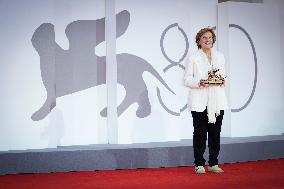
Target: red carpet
x=267 y=174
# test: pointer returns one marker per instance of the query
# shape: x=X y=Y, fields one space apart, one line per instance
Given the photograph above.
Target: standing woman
x=206 y=102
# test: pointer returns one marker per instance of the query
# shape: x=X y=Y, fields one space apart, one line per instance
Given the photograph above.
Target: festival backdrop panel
x=52 y=73
x=150 y=57
x=256 y=77
x=52 y=70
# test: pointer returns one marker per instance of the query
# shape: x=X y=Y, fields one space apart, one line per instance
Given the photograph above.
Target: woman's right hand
x=202 y=83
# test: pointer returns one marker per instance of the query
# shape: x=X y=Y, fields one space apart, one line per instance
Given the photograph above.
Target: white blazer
x=197 y=69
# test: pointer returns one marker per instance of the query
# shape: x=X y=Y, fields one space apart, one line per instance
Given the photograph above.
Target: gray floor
x=131 y=156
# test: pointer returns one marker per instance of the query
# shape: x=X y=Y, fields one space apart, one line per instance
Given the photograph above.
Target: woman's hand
x=223 y=84
x=202 y=83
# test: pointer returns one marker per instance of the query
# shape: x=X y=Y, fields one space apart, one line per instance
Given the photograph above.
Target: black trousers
x=201 y=128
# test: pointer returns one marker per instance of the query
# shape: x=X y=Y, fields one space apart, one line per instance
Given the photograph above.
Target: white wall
x=76 y=119
x=280 y=6
x=148 y=20
x=262 y=23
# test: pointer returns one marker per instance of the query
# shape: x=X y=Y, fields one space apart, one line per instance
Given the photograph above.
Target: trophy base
x=217 y=82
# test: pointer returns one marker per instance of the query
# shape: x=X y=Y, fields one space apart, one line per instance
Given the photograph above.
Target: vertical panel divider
x=111 y=72
x=223 y=46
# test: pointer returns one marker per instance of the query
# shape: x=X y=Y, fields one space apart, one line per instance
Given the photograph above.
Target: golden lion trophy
x=214 y=78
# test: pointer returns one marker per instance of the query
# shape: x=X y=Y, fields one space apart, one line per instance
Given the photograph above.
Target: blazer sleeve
x=190 y=78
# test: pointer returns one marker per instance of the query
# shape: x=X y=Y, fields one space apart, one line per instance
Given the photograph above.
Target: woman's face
x=206 y=41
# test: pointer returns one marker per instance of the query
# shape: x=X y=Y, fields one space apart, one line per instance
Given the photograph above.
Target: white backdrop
x=263 y=115
x=148 y=20
x=76 y=119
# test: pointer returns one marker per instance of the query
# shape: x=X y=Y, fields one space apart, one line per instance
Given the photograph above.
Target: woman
x=207 y=102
